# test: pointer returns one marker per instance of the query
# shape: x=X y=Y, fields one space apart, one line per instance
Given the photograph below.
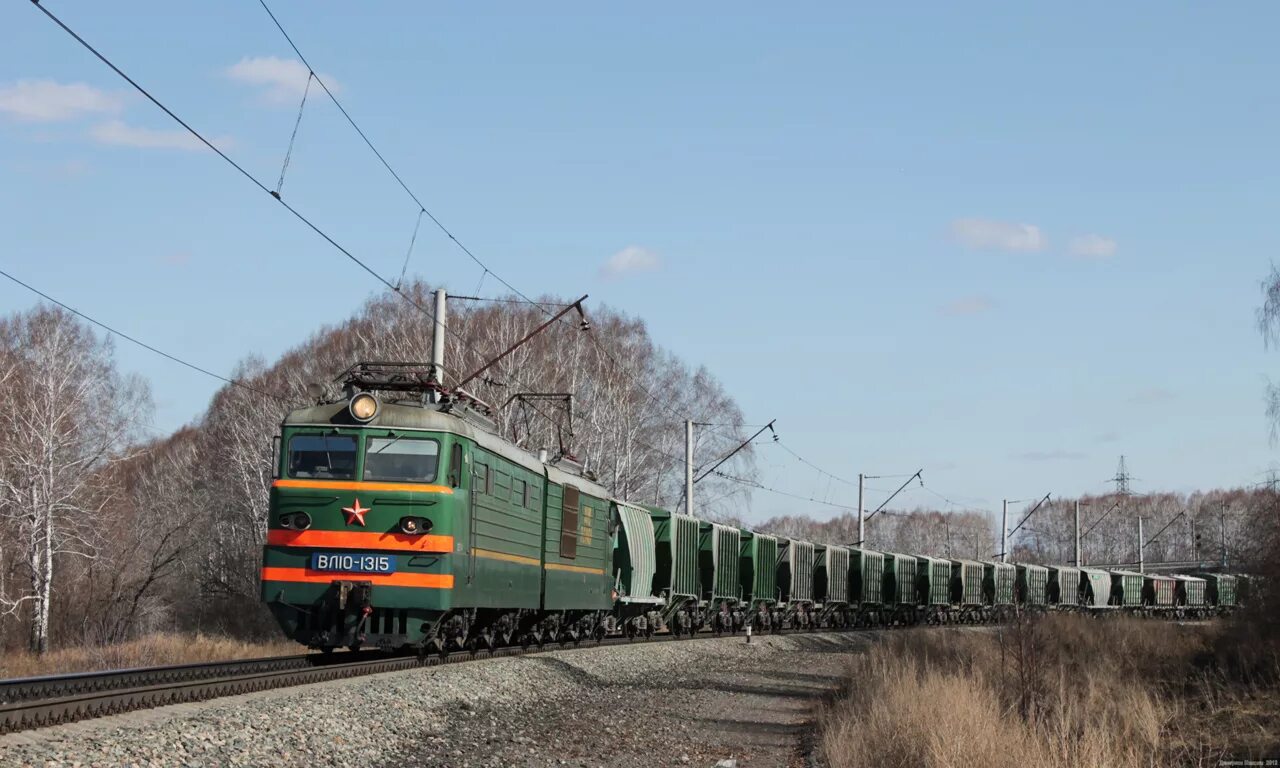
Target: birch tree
x=66 y=416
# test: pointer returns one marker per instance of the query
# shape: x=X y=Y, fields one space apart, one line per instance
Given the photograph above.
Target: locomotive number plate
x=347 y=563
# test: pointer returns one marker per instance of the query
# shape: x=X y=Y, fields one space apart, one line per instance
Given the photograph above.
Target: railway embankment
x=702 y=702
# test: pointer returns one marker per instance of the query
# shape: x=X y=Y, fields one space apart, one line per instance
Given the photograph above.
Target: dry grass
x=1055 y=692
x=152 y=650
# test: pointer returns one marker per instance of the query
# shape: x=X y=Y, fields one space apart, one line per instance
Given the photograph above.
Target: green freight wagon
x=998 y=581
x=1126 y=589
x=1221 y=589
x=1095 y=588
x=1032 y=587
x=795 y=582
x=1064 y=586
x=719 y=582
x=933 y=581
x=1243 y=585
x=1158 y=591
x=718 y=551
x=635 y=564
x=900 y=587
x=966 y=588
x=1190 y=591
x=675 y=539
x=758 y=569
x=831 y=584
x=866 y=583
x=1190 y=594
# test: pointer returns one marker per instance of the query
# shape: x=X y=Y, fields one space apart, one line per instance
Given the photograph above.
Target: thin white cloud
x=629 y=260
x=48 y=101
x=120 y=134
x=969 y=305
x=1092 y=247
x=1151 y=395
x=282 y=81
x=1057 y=454
x=998 y=235
x=176 y=259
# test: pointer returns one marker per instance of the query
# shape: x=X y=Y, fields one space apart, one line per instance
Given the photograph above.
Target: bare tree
x=67 y=417
x=1269 y=326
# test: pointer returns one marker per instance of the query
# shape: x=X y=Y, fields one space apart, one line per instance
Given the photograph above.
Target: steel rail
x=52 y=686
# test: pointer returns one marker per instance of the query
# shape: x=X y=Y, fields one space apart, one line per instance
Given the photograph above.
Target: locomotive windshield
x=332 y=457
x=401 y=458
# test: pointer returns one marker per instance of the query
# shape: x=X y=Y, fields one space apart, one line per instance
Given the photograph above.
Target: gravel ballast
x=694 y=702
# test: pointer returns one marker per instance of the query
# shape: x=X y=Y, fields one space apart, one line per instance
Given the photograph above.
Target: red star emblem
x=355 y=513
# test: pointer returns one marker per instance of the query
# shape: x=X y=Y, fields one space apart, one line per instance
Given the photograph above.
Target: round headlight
x=363 y=407
x=415 y=525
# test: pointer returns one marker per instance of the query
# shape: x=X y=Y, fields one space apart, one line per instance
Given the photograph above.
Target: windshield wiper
x=394 y=440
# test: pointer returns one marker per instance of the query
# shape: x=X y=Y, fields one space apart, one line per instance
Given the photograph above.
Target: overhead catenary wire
x=498 y=300
x=440 y=225
x=761 y=486
x=919 y=474
x=385 y=163
x=348 y=254
x=138 y=342
x=805 y=461
x=250 y=177
x=405 y=267
x=284 y=167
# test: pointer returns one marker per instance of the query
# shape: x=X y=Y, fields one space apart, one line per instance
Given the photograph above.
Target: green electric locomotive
x=411 y=523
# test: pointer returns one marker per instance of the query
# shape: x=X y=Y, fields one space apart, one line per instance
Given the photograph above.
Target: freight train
x=399 y=518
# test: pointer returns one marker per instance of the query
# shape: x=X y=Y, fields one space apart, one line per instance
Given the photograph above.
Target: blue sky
x=1000 y=242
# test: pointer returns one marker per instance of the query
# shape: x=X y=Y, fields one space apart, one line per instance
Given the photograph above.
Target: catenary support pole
x=1004 y=532
x=1222 y=531
x=1077 y=561
x=862 y=523
x=1142 y=560
x=437 y=342
x=688 y=467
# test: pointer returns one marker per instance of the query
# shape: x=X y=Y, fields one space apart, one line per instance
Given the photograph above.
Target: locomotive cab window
x=401 y=459
x=328 y=457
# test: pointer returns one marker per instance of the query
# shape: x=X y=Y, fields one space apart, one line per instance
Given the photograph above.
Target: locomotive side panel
x=504 y=531
x=576 y=549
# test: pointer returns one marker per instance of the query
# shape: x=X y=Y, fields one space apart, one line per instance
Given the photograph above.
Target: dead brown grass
x=152 y=650
x=1052 y=692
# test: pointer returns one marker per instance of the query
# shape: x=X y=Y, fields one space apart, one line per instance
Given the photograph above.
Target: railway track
x=38 y=702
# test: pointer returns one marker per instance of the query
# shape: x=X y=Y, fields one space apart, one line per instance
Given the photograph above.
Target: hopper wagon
x=1095 y=588
x=758 y=576
x=1063 y=590
x=831 y=586
x=899 y=590
x=1126 y=589
x=866 y=585
x=1158 y=591
x=966 y=590
x=795 y=584
x=720 y=577
x=1031 y=589
x=933 y=588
